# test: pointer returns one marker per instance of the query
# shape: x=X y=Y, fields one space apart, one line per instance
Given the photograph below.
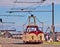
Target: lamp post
x=53 y=28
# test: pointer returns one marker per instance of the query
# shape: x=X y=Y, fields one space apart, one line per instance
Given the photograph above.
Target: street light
x=53 y=16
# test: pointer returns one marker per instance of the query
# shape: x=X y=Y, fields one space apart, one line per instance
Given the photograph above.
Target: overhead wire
x=31 y=9
x=38 y=20
x=25 y=22
x=12 y=15
x=30 y=2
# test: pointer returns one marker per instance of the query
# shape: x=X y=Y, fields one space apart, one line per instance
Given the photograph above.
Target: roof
x=57 y=33
x=16 y=32
x=7 y=30
x=32 y=26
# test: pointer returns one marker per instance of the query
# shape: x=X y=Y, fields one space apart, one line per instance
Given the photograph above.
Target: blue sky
x=45 y=17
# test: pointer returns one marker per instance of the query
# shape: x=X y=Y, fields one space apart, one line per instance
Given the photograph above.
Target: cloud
x=11 y=2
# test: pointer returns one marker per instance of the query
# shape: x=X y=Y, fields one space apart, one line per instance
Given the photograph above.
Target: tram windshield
x=31 y=29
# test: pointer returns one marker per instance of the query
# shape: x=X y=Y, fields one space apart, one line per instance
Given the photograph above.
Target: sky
x=46 y=17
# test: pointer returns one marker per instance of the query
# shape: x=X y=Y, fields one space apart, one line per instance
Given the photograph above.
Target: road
x=28 y=45
x=4 y=42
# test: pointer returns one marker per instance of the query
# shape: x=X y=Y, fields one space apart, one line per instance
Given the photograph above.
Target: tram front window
x=31 y=29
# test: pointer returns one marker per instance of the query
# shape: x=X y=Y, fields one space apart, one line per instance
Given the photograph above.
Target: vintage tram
x=32 y=34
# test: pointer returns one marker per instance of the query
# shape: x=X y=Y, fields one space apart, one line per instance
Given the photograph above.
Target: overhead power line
x=13 y=15
x=9 y=22
x=27 y=2
x=16 y=1
x=28 y=11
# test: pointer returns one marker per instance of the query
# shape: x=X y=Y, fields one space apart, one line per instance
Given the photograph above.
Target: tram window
x=32 y=37
x=31 y=29
x=40 y=37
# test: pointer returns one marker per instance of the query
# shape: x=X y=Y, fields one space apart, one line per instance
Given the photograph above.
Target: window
x=40 y=37
x=31 y=29
x=32 y=37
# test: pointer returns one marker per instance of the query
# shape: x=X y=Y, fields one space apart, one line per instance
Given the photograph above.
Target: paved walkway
x=5 y=42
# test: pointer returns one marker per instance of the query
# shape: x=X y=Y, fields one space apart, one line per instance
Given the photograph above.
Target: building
x=6 y=33
x=57 y=36
x=48 y=36
x=11 y=34
x=16 y=35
